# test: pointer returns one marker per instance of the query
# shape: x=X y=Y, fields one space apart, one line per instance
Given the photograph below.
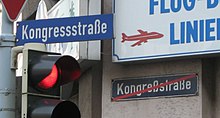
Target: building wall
x=90 y=92
x=204 y=105
x=210 y=87
x=174 y=107
x=217 y=88
x=94 y=98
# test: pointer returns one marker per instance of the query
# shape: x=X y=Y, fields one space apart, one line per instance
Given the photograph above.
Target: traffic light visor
x=68 y=68
x=66 y=109
x=51 y=108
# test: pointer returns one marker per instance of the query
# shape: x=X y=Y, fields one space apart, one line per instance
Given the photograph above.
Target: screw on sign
x=13 y=8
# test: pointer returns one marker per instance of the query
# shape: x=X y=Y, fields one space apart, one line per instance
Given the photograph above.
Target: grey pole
x=7 y=75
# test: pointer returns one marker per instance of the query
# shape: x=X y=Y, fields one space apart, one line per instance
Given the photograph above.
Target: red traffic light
x=50 y=80
x=48 y=70
x=44 y=73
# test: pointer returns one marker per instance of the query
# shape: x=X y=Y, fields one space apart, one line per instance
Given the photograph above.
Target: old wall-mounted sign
x=148 y=87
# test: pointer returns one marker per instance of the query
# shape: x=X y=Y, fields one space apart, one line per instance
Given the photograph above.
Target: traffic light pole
x=8 y=78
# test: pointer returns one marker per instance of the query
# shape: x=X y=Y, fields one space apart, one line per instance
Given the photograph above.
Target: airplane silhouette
x=144 y=36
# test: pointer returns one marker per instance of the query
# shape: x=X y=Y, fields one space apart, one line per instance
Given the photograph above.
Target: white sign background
x=65 y=8
x=132 y=15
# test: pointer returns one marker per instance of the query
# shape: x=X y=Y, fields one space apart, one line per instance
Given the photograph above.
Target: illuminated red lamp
x=50 y=80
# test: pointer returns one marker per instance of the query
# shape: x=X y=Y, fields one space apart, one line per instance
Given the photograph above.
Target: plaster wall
x=94 y=98
x=217 y=89
x=173 y=107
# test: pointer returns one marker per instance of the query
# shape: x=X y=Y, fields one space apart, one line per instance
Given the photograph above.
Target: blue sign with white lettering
x=165 y=29
x=84 y=28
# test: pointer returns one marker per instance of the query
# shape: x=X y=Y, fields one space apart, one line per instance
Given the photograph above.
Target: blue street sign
x=84 y=28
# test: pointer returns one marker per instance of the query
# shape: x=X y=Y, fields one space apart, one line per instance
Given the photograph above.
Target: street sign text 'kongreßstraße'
x=84 y=28
x=154 y=87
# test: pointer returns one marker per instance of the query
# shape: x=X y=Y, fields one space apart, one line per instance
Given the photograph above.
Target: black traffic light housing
x=48 y=71
x=52 y=108
x=43 y=74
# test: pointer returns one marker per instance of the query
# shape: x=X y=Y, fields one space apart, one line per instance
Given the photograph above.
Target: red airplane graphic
x=144 y=36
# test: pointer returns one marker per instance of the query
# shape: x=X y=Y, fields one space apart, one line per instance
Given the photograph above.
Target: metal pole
x=7 y=75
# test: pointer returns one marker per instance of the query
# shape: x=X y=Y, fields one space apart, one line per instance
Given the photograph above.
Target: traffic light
x=43 y=74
